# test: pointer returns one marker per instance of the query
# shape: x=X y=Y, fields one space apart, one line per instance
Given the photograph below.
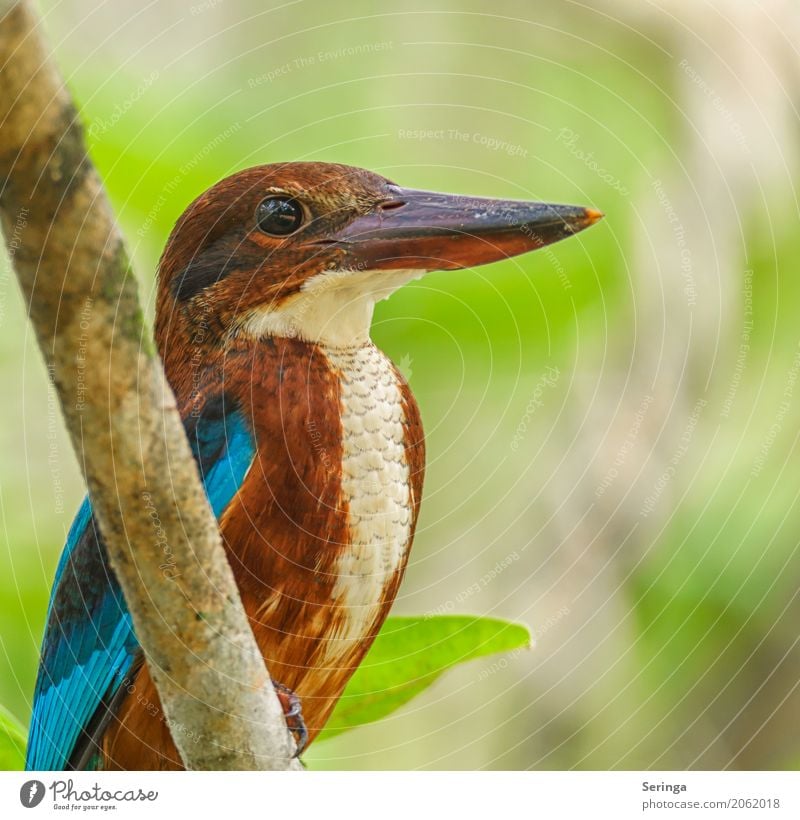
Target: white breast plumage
x=375 y=488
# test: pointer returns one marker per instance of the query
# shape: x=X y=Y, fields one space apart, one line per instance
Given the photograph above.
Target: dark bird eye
x=279 y=215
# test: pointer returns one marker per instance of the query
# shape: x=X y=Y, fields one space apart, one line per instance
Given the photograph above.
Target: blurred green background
x=612 y=423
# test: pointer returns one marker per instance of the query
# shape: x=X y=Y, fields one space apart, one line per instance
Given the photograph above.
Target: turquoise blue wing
x=90 y=648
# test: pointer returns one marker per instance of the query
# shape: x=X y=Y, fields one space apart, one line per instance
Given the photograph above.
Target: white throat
x=375 y=490
x=333 y=309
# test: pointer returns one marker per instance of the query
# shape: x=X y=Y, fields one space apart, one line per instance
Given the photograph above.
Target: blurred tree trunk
x=651 y=425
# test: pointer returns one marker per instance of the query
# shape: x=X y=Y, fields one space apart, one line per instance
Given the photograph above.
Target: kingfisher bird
x=306 y=436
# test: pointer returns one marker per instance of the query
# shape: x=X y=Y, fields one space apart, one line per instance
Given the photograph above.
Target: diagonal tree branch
x=72 y=266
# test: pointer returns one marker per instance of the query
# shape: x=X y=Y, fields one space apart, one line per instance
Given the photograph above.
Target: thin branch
x=161 y=536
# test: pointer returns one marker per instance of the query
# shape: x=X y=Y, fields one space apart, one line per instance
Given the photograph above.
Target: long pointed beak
x=422 y=230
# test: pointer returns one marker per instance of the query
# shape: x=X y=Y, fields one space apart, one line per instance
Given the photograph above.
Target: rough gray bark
x=161 y=535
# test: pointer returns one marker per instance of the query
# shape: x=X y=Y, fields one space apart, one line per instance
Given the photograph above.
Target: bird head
x=306 y=249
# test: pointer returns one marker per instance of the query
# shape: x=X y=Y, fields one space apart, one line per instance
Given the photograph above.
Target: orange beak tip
x=593 y=215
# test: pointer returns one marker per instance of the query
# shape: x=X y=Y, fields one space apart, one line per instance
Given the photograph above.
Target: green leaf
x=409 y=654
x=12 y=742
